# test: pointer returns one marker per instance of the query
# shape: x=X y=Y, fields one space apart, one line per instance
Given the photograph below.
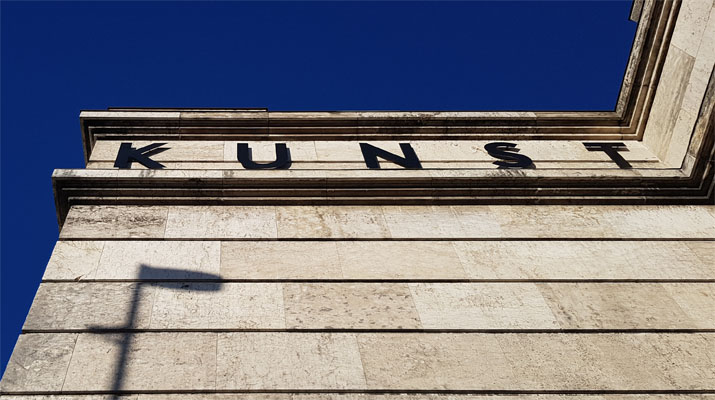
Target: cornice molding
x=690 y=184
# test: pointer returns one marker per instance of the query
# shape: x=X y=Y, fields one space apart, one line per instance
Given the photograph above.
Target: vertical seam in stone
x=153 y=301
x=216 y=361
x=99 y=260
x=459 y=259
x=340 y=261
x=74 y=347
x=285 y=311
x=220 y=258
x=166 y=223
x=275 y=220
x=412 y=299
x=362 y=363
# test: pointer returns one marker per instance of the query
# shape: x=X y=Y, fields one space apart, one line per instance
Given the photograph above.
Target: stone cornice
x=689 y=183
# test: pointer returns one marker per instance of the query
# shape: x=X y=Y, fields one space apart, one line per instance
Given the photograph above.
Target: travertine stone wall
x=498 y=299
x=680 y=96
x=167 y=300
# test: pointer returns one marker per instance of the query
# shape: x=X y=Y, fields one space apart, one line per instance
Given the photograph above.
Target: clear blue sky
x=59 y=58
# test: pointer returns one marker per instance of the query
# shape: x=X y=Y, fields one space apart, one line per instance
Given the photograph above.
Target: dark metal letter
x=282 y=157
x=409 y=161
x=498 y=150
x=127 y=154
x=611 y=149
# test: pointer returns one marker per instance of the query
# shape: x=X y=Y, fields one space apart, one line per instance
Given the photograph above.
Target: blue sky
x=58 y=58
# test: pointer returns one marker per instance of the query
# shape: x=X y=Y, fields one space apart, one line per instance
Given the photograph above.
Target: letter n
x=409 y=161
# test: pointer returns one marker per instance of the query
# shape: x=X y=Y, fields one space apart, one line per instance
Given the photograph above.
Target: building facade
x=246 y=253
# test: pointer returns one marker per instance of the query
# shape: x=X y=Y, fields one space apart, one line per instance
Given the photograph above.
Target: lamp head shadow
x=168 y=277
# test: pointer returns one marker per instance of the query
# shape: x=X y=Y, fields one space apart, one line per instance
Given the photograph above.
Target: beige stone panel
x=349 y=306
x=668 y=99
x=680 y=140
x=422 y=222
x=221 y=222
x=581 y=260
x=704 y=61
x=280 y=260
x=38 y=362
x=265 y=151
x=152 y=361
x=607 y=361
x=690 y=26
x=288 y=360
x=615 y=306
x=705 y=251
x=399 y=260
x=482 y=306
x=697 y=300
x=114 y=222
x=216 y=305
x=331 y=222
x=554 y=362
x=74 y=260
x=587 y=221
x=69 y=305
x=472 y=361
x=659 y=361
x=106 y=150
x=167 y=260
x=413 y=361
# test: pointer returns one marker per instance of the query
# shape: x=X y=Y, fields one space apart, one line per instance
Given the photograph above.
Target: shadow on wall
x=147 y=272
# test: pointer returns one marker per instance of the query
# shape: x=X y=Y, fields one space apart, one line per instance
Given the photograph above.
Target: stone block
x=221 y=222
x=205 y=305
x=38 y=362
x=144 y=361
x=166 y=260
x=76 y=306
x=690 y=26
x=560 y=259
x=399 y=260
x=74 y=260
x=696 y=300
x=288 y=361
x=349 y=306
x=482 y=306
x=114 y=222
x=331 y=222
x=280 y=260
x=413 y=361
x=615 y=306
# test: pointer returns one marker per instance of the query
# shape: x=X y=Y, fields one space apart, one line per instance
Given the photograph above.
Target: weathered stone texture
x=149 y=361
x=372 y=222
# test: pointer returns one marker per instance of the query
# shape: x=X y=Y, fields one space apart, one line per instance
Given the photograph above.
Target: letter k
x=127 y=154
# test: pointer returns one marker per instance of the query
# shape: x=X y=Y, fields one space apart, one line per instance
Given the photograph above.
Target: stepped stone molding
x=665 y=109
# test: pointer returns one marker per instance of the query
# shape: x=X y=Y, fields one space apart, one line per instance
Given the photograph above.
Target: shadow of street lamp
x=147 y=272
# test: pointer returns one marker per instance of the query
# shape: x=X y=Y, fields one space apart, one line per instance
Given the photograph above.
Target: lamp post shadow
x=161 y=277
